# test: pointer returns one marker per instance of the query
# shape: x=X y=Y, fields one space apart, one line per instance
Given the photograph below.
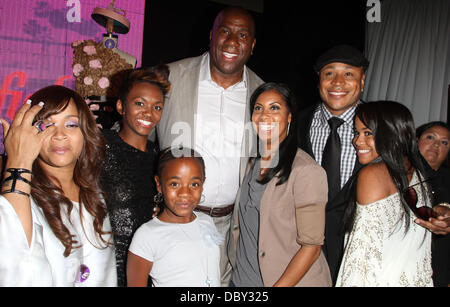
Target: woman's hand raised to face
x=22 y=140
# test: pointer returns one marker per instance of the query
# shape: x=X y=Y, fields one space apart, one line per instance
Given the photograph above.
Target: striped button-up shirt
x=320 y=131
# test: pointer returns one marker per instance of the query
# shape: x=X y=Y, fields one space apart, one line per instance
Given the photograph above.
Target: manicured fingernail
x=41 y=104
x=28 y=101
x=94 y=107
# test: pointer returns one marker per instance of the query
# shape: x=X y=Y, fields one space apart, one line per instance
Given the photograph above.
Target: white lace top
x=378 y=252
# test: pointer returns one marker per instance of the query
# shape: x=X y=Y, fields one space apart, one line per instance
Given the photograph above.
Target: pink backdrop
x=35 y=38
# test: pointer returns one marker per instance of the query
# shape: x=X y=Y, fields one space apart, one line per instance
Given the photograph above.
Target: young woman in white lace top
x=384 y=247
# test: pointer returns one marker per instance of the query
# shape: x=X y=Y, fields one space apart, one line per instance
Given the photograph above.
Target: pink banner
x=35 y=43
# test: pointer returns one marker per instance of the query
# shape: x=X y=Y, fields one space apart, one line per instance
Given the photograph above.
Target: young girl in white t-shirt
x=179 y=247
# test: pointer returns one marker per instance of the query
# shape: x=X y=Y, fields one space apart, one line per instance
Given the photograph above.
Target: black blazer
x=333 y=247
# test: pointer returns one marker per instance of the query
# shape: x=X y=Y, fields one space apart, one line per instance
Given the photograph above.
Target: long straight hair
x=48 y=195
x=288 y=147
x=392 y=125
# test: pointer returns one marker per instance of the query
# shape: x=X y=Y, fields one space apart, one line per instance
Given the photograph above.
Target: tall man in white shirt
x=207 y=110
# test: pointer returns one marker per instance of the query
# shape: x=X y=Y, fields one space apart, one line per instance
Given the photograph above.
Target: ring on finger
x=40 y=126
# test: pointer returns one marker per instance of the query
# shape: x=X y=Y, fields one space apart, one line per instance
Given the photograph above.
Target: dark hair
x=86 y=175
x=173 y=153
x=421 y=130
x=288 y=147
x=392 y=125
x=157 y=75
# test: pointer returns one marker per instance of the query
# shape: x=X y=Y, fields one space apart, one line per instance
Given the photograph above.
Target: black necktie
x=331 y=159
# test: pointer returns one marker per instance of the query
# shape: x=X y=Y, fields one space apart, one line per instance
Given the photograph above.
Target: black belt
x=217 y=211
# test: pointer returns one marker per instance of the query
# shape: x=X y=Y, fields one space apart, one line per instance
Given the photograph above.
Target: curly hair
x=48 y=195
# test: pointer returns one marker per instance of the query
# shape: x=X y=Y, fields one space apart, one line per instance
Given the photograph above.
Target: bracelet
x=15 y=191
x=16 y=175
x=446 y=205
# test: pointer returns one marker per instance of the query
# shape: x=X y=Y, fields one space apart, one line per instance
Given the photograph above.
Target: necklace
x=208 y=281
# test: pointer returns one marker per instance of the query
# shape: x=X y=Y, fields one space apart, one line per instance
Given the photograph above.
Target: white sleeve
x=21 y=265
x=142 y=244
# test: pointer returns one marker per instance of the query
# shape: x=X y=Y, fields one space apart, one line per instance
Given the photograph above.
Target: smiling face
x=364 y=143
x=141 y=112
x=62 y=149
x=232 y=43
x=271 y=117
x=340 y=86
x=181 y=183
x=434 y=146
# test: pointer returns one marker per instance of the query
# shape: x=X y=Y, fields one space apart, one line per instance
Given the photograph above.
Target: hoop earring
x=158 y=198
x=289 y=125
x=202 y=199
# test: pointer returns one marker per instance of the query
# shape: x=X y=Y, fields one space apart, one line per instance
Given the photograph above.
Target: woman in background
x=434 y=144
x=128 y=170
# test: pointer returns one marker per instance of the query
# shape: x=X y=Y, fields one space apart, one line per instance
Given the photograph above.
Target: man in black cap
x=326 y=133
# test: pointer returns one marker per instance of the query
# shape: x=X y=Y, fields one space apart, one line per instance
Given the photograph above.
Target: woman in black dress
x=434 y=145
x=128 y=170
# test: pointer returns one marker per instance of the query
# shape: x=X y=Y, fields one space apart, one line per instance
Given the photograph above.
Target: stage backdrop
x=35 y=44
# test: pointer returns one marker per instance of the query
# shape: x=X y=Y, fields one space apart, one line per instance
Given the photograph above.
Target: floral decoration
x=93 y=65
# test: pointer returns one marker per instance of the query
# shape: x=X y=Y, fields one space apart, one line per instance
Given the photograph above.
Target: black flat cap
x=342 y=54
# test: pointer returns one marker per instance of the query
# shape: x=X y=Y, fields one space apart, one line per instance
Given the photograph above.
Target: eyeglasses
x=410 y=195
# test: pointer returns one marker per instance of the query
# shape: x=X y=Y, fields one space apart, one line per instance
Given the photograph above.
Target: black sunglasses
x=410 y=195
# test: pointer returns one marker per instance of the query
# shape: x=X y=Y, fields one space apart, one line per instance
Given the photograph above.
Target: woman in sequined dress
x=128 y=170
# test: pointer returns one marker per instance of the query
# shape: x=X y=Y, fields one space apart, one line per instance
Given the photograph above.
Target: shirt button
x=262 y=254
x=235 y=227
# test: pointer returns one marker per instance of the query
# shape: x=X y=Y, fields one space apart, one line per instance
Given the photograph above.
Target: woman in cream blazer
x=279 y=219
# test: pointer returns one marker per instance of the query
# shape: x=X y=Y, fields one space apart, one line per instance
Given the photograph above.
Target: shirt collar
x=347 y=116
x=205 y=73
